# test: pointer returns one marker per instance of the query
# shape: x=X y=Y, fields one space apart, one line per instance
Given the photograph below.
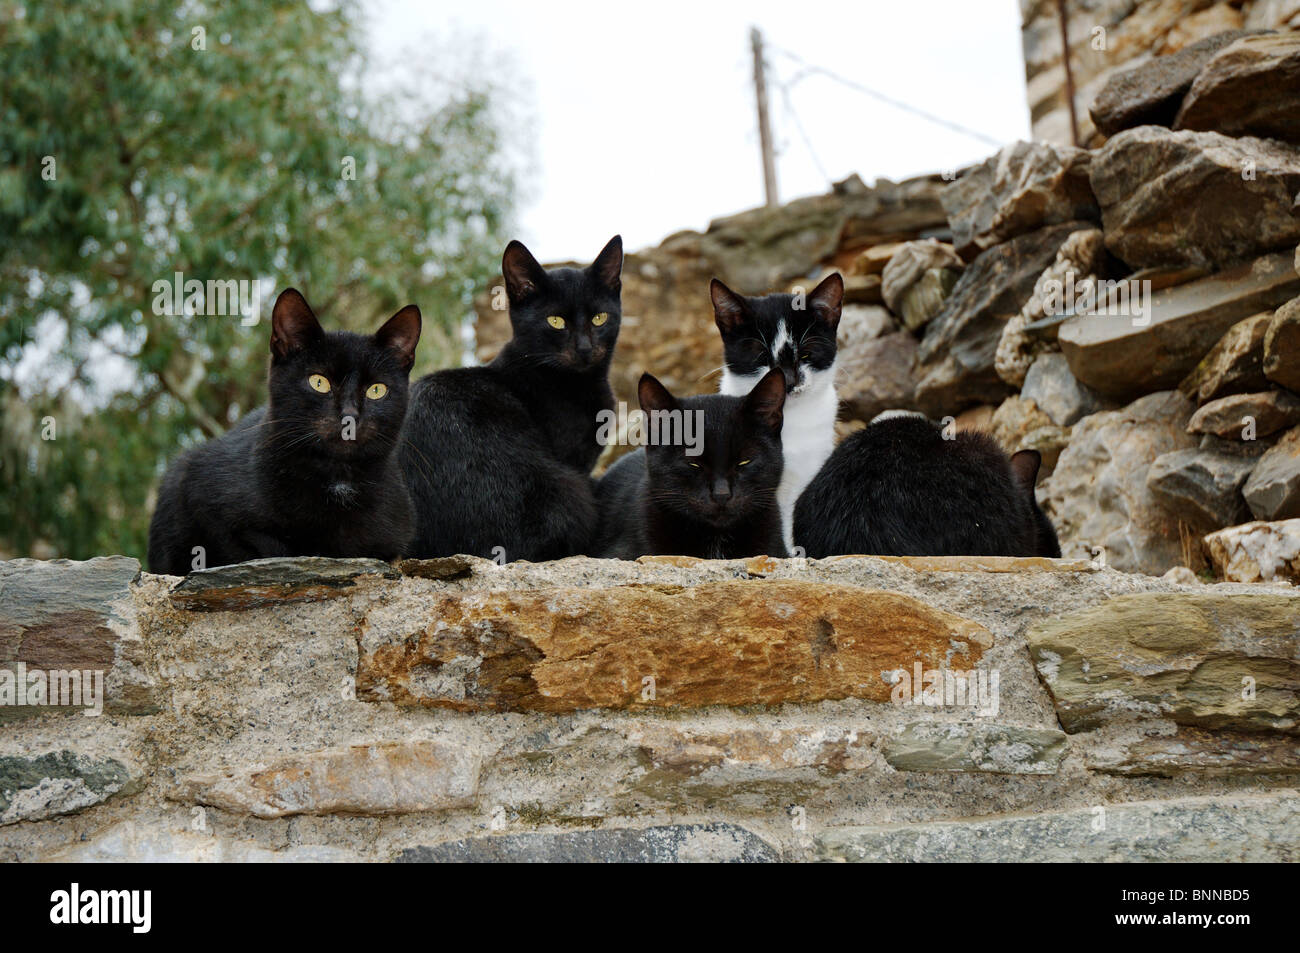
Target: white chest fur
x=807 y=435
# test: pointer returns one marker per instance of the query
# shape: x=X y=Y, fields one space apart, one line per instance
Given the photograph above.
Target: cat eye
x=744 y=463
x=696 y=465
x=598 y=319
x=319 y=384
x=376 y=391
x=555 y=321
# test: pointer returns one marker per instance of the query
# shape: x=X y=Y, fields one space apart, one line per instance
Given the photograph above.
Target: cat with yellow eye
x=498 y=458
x=312 y=473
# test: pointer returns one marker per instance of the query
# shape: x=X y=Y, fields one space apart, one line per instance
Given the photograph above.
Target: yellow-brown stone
x=738 y=642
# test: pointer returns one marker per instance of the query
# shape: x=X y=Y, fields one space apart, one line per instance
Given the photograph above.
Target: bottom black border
x=213 y=902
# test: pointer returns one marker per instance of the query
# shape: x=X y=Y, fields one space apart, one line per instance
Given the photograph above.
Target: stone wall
x=669 y=709
x=1108 y=37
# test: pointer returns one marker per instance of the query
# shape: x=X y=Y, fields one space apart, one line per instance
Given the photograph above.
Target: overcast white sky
x=643 y=118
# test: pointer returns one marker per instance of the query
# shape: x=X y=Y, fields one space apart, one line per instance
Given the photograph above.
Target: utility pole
x=764 y=126
x=1064 y=19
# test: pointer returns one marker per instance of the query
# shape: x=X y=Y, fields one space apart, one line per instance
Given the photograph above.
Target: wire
x=794 y=118
x=809 y=69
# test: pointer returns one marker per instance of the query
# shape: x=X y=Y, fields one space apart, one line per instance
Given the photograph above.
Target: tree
x=225 y=142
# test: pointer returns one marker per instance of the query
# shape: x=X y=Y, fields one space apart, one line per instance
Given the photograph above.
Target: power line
x=803 y=134
x=809 y=69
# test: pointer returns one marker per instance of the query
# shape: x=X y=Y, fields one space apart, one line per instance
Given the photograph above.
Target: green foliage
x=224 y=163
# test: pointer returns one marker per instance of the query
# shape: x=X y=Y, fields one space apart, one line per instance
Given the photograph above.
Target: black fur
x=284 y=481
x=501 y=455
x=898 y=488
x=720 y=504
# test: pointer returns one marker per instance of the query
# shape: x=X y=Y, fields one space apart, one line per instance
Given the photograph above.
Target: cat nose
x=791 y=376
x=721 y=489
x=349 y=410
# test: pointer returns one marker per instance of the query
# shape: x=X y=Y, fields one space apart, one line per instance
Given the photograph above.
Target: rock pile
x=1131 y=310
x=1170 y=41
x=1168 y=359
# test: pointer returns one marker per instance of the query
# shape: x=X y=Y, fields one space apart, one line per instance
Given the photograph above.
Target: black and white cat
x=719 y=503
x=796 y=335
x=498 y=458
x=902 y=486
x=313 y=473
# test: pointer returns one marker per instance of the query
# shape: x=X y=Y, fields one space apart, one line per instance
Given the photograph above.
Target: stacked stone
x=670 y=709
x=1108 y=38
x=1130 y=311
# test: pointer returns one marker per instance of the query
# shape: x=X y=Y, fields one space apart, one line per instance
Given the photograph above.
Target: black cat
x=718 y=503
x=898 y=488
x=312 y=473
x=498 y=458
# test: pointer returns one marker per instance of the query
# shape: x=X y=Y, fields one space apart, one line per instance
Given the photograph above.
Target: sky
x=640 y=119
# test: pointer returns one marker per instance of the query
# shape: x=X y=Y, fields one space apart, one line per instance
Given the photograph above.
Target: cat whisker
x=423 y=464
x=310 y=491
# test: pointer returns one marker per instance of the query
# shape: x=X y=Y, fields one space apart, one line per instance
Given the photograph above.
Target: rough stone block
x=1257 y=552
x=1249 y=828
x=1195 y=198
x=1207 y=659
x=1123 y=355
x=66 y=616
x=376 y=778
x=720 y=643
x=679 y=843
x=34 y=787
x=975 y=746
x=265 y=582
x=1191 y=751
x=1273 y=490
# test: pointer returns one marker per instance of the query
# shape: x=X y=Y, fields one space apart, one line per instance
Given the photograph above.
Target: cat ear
x=654 y=395
x=608 y=266
x=522 y=272
x=766 y=402
x=1024 y=464
x=293 y=324
x=728 y=307
x=827 y=298
x=401 y=333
